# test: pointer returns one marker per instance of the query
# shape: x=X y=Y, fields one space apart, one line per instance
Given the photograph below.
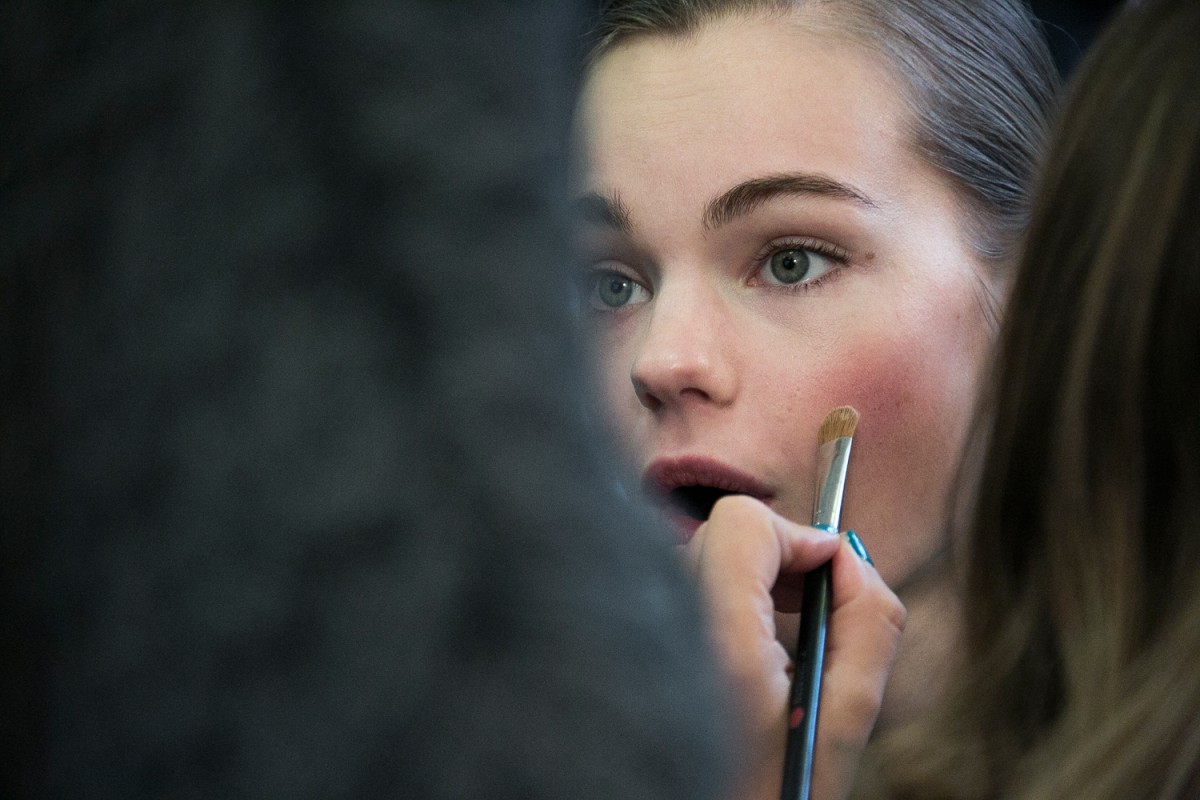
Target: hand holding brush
x=741 y=556
x=833 y=459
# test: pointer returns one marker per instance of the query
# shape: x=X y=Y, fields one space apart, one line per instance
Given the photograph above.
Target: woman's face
x=765 y=246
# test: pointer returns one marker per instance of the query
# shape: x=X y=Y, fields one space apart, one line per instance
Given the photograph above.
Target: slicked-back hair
x=981 y=87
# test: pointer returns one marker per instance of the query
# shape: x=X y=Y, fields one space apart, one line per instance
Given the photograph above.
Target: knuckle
x=862 y=707
x=894 y=611
x=891 y=611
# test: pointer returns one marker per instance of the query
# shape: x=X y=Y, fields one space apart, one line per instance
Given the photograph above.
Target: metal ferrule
x=832 y=460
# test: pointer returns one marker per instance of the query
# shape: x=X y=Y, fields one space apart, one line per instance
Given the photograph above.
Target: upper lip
x=664 y=475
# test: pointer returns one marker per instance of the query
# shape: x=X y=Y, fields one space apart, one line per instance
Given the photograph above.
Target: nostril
x=679 y=359
x=666 y=386
x=646 y=397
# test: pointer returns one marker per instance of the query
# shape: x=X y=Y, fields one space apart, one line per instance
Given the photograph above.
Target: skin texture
x=710 y=359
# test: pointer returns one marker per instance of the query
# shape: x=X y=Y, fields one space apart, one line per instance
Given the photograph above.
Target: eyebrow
x=749 y=195
x=607 y=211
x=610 y=211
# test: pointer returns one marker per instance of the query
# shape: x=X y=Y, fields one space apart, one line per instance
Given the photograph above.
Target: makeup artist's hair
x=981 y=87
x=296 y=496
x=1082 y=668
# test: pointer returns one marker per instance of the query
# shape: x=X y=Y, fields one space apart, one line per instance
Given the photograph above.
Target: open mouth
x=696 y=501
x=691 y=486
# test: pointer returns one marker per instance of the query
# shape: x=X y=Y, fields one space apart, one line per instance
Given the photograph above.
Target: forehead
x=742 y=96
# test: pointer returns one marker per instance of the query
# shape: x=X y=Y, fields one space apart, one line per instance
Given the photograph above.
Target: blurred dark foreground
x=299 y=496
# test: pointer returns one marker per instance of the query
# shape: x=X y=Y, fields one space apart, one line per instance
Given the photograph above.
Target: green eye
x=612 y=290
x=797 y=264
x=789 y=266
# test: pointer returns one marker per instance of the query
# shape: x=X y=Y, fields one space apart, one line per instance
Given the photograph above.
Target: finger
x=737 y=519
x=739 y=555
x=742 y=551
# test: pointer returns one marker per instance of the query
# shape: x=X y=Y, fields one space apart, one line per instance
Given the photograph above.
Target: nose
x=686 y=352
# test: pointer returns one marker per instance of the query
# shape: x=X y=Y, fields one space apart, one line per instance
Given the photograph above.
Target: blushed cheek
x=888 y=384
x=914 y=406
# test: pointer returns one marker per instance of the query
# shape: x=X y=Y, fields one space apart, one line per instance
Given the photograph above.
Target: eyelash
x=839 y=256
x=836 y=254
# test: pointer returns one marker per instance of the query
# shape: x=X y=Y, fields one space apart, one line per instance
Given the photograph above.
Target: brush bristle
x=840 y=422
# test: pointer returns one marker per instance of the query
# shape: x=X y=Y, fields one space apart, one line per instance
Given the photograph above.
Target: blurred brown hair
x=1082 y=669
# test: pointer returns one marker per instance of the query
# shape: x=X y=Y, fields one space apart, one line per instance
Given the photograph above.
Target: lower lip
x=685 y=526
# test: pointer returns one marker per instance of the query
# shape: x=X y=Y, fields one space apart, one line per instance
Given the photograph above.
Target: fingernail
x=829 y=529
x=858 y=547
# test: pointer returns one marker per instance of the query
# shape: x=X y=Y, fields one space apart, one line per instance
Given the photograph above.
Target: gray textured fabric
x=298 y=496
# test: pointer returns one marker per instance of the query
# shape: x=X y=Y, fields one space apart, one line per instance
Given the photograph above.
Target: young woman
x=1083 y=564
x=791 y=206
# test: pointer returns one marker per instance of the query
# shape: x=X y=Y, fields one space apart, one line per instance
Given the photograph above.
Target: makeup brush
x=833 y=457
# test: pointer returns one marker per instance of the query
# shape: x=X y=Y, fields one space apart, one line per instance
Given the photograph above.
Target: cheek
x=614 y=381
x=895 y=390
x=915 y=403
x=611 y=364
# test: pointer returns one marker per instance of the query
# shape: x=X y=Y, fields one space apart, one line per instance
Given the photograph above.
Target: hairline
x=852 y=27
